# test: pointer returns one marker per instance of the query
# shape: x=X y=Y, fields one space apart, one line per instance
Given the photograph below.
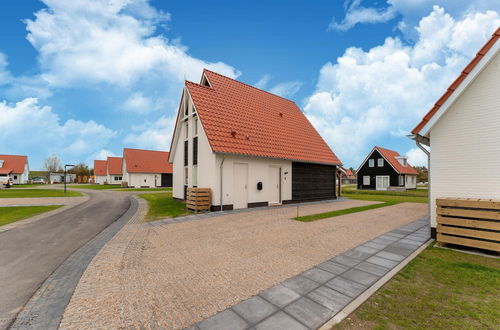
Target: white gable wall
x=465 y=143
x=100 y=179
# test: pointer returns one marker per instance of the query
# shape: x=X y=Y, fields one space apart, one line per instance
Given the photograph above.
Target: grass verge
x=331 y=214
x=439 y=289
x=15 y=213
x=95 y=186
x=162 y=205
x=146 y=189
x=27 y=185
x=27 y=193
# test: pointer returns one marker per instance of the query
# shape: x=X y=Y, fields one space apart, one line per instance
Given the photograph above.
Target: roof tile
x=14 y=163
x=390 y=156
x=146 y=161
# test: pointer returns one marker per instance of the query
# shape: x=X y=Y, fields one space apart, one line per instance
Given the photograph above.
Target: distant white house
x=114 y=174
x=58 y=177
x=463 y=132
x=16 y=167
x=100 y=171
x=146 y=168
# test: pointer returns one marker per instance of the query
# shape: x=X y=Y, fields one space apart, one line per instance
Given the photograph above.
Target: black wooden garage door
x=312 y=181
x=166 y=180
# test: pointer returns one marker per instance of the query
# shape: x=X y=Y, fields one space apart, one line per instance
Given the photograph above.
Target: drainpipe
x=421 y=147
x=221 y=166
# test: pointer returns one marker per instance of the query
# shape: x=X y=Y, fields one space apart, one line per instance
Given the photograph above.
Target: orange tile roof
x=114 y=165
x=146 y=161
x=458 y=81
x=14 y=163
x=100 y=167
x=241 y=119
x=390 y=156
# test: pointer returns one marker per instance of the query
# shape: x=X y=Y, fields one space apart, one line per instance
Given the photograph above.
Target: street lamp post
x=65 y=175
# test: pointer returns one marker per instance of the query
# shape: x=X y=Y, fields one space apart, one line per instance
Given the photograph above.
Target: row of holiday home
x=137 y=168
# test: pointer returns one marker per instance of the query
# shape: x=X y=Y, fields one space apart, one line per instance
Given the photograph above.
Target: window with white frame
x=195 y=126
x=187 y=131
x=186 y=176
x=371 y=163
x=380 y=162
x=401 y=180
x=366 y=180
x=195 y=175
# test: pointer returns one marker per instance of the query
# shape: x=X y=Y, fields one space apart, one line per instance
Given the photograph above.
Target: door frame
x=382 y=176
x=246 y=184
x=280 y=185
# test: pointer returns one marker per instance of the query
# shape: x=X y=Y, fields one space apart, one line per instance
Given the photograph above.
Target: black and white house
x=385 y=169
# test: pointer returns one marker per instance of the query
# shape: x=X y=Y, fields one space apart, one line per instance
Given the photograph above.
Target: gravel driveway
x=173 y=275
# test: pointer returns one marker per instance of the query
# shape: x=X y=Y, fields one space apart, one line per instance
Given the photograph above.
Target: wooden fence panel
x=198 y=199
x=469 y=222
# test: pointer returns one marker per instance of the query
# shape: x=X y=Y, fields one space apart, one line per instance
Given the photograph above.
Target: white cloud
x=72 y=140
x=155 y=135
x=102 y=154
x=366 y=96
x=286 y=89
x=262 y=83
x=416 y=157
x=138 y=103
x=357 y=14
x=113 y=42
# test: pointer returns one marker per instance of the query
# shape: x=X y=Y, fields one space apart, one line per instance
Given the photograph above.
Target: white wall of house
x=410 y=181
x=114 y=178
x=21 y=178
x=150 y=180
x=465 y=142
x=100 y=179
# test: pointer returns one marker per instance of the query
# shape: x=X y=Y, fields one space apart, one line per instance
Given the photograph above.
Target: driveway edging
x=46 y=307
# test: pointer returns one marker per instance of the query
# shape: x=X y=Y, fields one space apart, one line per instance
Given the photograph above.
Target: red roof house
x=254 y=141
x=16 y=167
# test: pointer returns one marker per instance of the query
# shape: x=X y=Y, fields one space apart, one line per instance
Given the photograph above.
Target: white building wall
x=258 y=171
x=465 y=143
x=100 y=179
x=115 y=179
x=138 y=180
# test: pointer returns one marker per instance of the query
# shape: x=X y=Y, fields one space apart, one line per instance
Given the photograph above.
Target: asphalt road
x=30 y=253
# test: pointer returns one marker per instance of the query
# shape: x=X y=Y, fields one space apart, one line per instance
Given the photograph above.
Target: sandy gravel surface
x=174 y=275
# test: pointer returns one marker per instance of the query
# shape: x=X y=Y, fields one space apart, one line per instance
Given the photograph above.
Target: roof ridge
x=13 y=155
x=145 y=150
x=197 y=85
x=240 y=82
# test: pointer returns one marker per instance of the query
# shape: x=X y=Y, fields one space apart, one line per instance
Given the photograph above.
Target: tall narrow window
x=195 y=126
x=195 y=151
x=366 y=180
x=401 y=180
x=185 y=176
x=371 y=163
x=186 y=134
x=186 y=153
x=380 y=162
x=195 y=175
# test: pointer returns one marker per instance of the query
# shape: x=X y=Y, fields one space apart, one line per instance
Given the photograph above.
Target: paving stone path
x=310 y=299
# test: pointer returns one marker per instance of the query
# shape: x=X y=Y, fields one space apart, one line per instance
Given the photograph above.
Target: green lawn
x=27 y=185
x=162 y=205
x=15 y=213
x=95 y=186
x=387 y=198
x=25 y=193
x=439 y=289
x=146 y=189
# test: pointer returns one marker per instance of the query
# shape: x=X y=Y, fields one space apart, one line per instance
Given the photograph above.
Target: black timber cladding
x=166 y=179
x=373 y=172
x=312 y=181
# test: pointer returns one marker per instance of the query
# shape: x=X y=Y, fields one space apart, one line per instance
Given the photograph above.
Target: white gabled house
x=100 y=171
x=146 y=168
x=114 y=173
x=250 y=147
x=16 y=167
x=463 y=132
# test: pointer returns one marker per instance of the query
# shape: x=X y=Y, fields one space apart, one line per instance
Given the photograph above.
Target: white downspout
x=421 y=147
x=221 y=167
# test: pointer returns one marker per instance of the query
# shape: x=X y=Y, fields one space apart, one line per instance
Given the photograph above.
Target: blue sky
x=83 y=79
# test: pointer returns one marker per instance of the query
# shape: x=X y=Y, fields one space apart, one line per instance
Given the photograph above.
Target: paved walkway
x=310 y=299
x=175 y=273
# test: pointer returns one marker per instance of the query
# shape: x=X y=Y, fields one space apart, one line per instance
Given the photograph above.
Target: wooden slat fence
x=198 y=199
x=469 y=222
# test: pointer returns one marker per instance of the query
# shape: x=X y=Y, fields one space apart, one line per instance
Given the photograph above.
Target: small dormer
x=402 y=160
x=204 y=81
x=1 y=163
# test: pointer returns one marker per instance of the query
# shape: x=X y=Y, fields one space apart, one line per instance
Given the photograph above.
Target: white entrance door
x=274 y=185
x=382 y=182
x=240 y=185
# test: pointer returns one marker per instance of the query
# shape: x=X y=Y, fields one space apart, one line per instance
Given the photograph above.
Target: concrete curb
x=46 y=307
x=353 y=305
